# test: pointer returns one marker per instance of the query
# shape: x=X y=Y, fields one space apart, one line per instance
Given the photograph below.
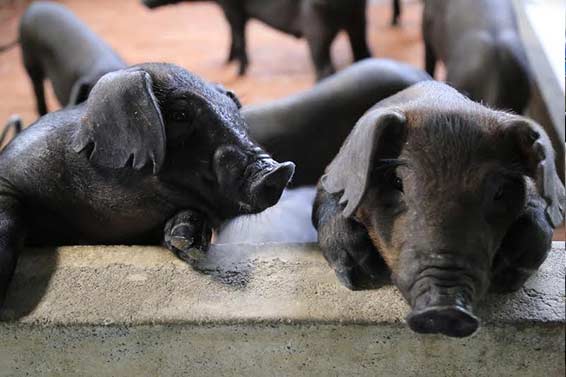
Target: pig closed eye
x=499 y=194
x=504 y=198
x=181 y=116
x=506 y=191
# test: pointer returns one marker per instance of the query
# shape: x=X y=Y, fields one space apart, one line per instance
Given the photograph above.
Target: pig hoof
x=188 y=237
x=185 y=250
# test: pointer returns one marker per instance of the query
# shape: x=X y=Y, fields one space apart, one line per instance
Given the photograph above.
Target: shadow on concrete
x=229 y=265
x=30 y=282
x=237 y=276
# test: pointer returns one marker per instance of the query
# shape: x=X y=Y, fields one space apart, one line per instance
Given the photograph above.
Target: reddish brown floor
x=196 y=36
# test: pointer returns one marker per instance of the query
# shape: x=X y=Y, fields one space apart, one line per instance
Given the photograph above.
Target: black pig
x=319 y=21
x=58 y=46
x=479 y=43
x=154 y=155
x=454 y=197
x=308 y=128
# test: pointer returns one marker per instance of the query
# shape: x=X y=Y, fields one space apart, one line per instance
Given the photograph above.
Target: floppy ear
x=536 y=155
x=79 y=93
x=123 y=122
x=378 y=133
x=230 y=94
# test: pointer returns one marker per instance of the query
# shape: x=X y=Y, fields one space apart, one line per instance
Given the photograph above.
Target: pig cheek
x=391 y=250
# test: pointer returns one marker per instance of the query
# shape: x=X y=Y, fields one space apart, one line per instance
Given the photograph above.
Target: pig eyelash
x=388 y=164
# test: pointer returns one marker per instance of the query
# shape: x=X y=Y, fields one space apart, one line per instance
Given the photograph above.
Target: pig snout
x=443 y=315
x=442 y=301
x=268 y=187
x=254 y=180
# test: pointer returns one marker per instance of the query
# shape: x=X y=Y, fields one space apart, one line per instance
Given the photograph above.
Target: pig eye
x=386 y=173
x=499 y=193
x=393 y=180
x=181 y=116
x=398 y=183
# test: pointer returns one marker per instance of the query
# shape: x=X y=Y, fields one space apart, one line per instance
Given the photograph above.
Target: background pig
x=154 y=155
x=308 y=128
x=58 y=46
x=479 y=43
x=454 y=197
x=319 y=21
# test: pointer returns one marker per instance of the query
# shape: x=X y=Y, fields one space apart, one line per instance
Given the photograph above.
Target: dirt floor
x=196 y=36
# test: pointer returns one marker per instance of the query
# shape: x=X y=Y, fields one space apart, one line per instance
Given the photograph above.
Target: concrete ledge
x=263 y=310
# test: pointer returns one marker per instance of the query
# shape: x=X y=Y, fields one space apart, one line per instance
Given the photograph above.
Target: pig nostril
x=452 y=321
x=281 y=176
x=271 y=186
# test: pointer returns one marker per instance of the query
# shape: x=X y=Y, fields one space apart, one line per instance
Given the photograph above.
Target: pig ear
x=79 y=93
x=536 y=156
x=123 y=122
x=230 y=94
x=378 y=134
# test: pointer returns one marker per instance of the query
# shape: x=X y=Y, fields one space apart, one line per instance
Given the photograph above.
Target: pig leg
x=237 y=20
x=357 y=34
x=345 y=243
x=396 y=12
x=232 y=53
x=524 y=248
x=319 y=35
x=188 y=235
x=36 y=77
x=430 y=59
x=11 y=240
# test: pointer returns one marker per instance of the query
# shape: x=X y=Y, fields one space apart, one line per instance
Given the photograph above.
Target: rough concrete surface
x=264 y=310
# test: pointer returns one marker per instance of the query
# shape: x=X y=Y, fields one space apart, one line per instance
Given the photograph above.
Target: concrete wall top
x=132 y=285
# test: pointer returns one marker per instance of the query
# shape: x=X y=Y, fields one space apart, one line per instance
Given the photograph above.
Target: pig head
x=455 y=197
x=189 y=132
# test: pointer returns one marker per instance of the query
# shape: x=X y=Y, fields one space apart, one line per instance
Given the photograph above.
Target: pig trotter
x=522 y=251
x=188 y=235
x=345 y=244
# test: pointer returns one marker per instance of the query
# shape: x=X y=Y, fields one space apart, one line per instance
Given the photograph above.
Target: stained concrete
x=265 y=310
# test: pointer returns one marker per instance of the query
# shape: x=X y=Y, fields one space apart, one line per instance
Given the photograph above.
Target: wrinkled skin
x=154 y=155
x=478 y=41
x=57 y=46
x=454 y=198
x=308 y=128
x=318 y=21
